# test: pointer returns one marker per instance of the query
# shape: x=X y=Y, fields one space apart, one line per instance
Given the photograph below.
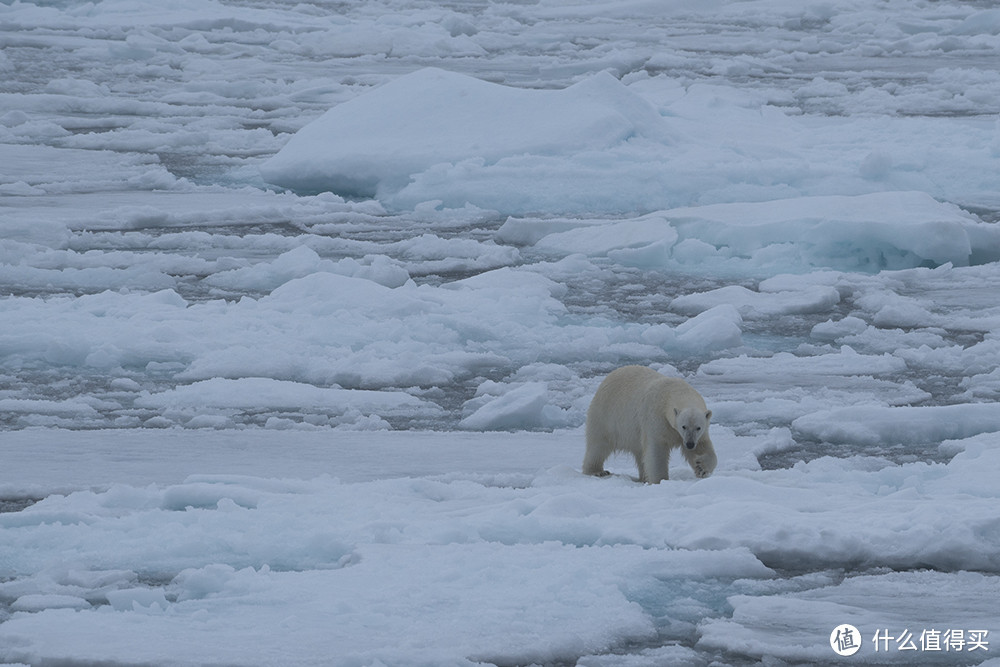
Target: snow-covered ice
x=473 y=548
x=303 y=306
x=374 y=144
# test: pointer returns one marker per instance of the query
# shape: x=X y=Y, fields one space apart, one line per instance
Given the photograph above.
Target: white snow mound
x=372 y=144
x=869 y=232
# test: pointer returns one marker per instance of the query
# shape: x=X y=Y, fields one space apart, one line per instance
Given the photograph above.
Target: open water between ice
x=56 y=389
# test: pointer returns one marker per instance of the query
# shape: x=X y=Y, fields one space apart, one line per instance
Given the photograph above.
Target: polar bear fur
x=646 y=414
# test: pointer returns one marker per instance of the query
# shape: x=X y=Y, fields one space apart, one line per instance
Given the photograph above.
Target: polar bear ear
x=677 y=412
x=708 y=415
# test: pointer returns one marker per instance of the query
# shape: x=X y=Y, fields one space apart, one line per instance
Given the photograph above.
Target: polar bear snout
x=690 y=444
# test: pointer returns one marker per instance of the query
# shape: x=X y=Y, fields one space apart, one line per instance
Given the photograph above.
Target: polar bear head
x=691 y=424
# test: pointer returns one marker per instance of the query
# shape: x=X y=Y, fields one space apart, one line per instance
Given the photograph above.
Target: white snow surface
x=371 y=145
x=472 y=548
x=302 y=307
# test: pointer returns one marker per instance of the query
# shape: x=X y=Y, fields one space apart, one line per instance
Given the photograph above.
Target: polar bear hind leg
x=597 y=453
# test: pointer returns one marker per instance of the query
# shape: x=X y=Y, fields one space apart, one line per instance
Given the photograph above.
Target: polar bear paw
x=700 y=471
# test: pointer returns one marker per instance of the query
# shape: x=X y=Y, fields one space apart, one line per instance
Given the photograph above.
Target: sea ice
x=375 y=143
x=889 y=230
x=900 y=425
x=260 y=552
x=244 y=425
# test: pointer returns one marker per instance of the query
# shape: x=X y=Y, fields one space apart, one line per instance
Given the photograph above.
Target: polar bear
x=640 y=411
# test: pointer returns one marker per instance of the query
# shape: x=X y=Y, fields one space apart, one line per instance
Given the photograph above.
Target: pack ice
x=435 y=119
x=302 y=306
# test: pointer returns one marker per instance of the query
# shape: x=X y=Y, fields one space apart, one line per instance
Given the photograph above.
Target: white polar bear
x=640 y=411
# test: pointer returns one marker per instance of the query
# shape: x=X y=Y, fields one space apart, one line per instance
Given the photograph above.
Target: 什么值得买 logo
x=845 y=640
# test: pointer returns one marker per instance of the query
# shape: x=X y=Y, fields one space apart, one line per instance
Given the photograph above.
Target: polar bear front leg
x=703 y=459
x=655 y=458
